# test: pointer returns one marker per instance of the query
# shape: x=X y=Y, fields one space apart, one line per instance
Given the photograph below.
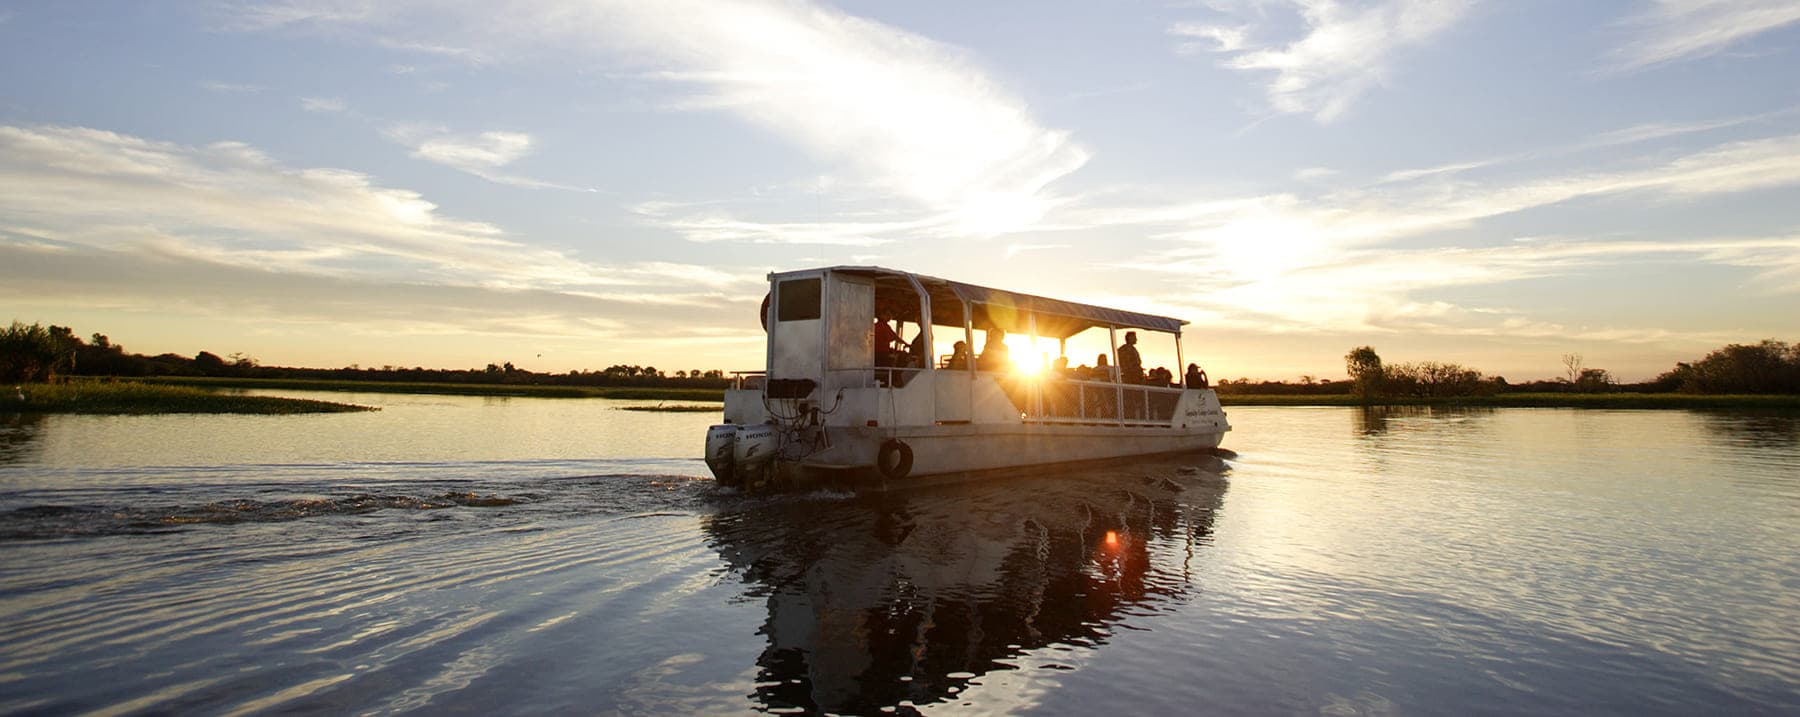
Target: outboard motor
x=753 y=453
x=719 y=452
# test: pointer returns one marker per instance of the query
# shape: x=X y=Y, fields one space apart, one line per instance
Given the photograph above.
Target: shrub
x=30 y=353
x=1768 y=367
x=1430 y=379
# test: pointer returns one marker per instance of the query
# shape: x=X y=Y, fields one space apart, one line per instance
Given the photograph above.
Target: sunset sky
x=575 y=184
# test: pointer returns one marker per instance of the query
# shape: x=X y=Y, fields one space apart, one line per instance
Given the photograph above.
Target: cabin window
x=799 y=299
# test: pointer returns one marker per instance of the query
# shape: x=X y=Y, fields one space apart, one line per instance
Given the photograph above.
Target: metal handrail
x=1100 y=401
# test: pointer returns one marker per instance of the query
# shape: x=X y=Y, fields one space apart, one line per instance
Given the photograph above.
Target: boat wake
x=165 y=500
x=46 y=521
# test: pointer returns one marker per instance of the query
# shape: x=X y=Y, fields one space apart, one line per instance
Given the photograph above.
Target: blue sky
x=574 y=184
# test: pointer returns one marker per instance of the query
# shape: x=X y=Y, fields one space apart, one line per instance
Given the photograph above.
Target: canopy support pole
x=1113 y=373
x=1037 y=386
x=969 y=358
x=1179 y=364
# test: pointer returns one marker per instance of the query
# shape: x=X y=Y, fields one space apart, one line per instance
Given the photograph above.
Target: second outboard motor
x=720 y=440
x=753 y=453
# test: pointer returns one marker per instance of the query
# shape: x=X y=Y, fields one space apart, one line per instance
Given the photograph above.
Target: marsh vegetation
x=132 y=397
x=1760 y=375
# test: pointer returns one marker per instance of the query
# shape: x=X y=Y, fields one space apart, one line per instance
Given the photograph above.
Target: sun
x=1027 y=360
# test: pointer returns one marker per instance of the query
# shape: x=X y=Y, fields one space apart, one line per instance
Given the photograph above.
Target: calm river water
x=495 y=555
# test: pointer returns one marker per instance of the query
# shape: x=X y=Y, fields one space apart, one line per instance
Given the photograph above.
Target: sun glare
x=1027 y=360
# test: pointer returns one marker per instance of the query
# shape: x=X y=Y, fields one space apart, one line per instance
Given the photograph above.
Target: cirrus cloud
x=1347 y=49
x=1676 y=30
x=895 y=110
x=230 y=203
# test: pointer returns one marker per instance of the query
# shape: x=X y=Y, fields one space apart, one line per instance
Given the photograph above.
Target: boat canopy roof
x=994 y=308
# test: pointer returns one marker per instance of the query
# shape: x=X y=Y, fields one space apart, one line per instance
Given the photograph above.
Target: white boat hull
x=953 y=449
x=852 y=447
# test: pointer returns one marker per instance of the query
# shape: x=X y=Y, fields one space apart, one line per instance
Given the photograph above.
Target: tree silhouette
x=1364 y=367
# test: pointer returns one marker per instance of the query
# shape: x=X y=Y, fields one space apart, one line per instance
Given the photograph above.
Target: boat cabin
x=830 y=339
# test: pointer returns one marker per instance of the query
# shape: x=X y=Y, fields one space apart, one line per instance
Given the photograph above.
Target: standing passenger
x=1131 y=367
x=887 y=342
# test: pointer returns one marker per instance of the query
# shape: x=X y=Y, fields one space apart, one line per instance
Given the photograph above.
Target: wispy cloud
x=915 y=117
x=1360 y=259
x=1676 y=30
x=230 y=204
x=1015 y=249
x=224 y=233
x=1369 y=290
x=322 y=105
x=379 y=319
x=1208 y=38
x=231 y=88
x=1124 y=89
x=1346 y=48
x=248 y=15
x=1387 y=216
x=1313 y=174
x=1408 y=175
x=466 y=54
x=1635 y=134
x=713 y=225
x=482 y=155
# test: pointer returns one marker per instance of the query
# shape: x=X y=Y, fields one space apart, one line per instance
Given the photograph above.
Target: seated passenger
x=994 y=354
x=959 y=357
x=1196 y=378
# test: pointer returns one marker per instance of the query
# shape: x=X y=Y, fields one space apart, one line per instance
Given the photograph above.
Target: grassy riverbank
x=1538 y=400
x=131 y=397
x=672 y=409
x=453 y=389
x=189 y=394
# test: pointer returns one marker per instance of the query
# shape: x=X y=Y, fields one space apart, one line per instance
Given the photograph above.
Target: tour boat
x=843 y=400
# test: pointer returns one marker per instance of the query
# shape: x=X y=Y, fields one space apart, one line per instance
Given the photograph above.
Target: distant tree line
x=1769 y=367
x=37 y=353
x=1370 y=378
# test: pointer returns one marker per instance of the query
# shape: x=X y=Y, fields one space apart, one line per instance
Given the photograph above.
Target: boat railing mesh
x=1060 y=400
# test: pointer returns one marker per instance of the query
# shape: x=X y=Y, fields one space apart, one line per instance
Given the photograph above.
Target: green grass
x=171 y=394
x=1537 y=400
x=453 y=389
x=130 y=397
x=674 y=409
x=1241 y=399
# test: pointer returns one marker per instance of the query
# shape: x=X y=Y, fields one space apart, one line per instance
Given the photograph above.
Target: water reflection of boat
x=880 y=599
x=844 y=397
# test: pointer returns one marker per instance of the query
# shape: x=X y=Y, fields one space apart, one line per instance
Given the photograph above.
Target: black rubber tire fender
x=894 y=460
